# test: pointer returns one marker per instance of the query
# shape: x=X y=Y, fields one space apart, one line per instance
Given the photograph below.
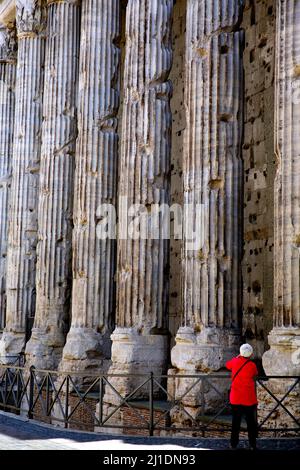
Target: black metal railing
x=75 y=400
x=13 y=359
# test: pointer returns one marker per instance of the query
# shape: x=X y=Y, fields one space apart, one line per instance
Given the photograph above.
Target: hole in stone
x=225 y=117
x=252 y=14
x=249 y=334
x=202 y=52
x=216 y=183
x=251 y=157
x=224 y=49
x=297 y=240
x=263 y=42
x=297 y=70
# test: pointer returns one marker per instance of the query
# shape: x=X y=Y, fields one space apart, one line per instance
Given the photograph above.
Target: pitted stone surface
x=259 y=171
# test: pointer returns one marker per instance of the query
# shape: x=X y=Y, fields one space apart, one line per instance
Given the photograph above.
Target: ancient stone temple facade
x=109 y=108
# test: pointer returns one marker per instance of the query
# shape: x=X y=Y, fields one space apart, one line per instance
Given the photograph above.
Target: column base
x=205 y=352
x=135 y=353
x=282 y=359
x=86 y=350
x=12 y=344
x=44 y=349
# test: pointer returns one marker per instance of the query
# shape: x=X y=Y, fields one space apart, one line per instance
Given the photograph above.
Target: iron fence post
x=47 y=394
x=31 y=392
x=101 y=400
x=202 y=405
x=67 y=403
x=18 y=388
x=151 y=422
x=5 y=389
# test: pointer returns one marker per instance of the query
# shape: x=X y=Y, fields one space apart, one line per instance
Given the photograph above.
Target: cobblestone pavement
x=21 y=434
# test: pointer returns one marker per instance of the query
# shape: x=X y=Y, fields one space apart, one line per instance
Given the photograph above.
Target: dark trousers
x=250 y=414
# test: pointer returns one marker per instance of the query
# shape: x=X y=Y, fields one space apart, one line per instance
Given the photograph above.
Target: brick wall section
x=81 y=420
x=259 y=171
x=40 y=408
x=130 y=418
x=82 y=415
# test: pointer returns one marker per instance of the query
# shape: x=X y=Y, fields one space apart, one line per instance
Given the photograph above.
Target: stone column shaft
x=7 y=113
x=88 y=341
x=212 y=175
x=21 y=261
x=54 y=250
x=140 y=340
x=284 y=354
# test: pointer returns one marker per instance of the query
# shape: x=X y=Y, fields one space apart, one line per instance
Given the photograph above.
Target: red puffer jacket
x=243 y=387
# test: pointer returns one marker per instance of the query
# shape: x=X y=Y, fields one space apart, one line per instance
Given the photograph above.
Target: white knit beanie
x=246 y=350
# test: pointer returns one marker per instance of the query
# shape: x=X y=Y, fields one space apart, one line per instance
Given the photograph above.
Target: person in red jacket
x=242 y=397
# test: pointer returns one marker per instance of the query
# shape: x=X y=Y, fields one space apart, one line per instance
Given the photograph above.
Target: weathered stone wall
x=259 y=171
x=258 y=155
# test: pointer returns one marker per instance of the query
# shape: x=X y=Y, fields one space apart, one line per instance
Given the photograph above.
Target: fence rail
x=78 y=400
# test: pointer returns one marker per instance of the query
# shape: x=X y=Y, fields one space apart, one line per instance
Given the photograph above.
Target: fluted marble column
x=212 y=175
x=21 y=260
x=140 y=339
x=88 y=341
x=283 y=357
x=54 y=250
x=8 y=45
